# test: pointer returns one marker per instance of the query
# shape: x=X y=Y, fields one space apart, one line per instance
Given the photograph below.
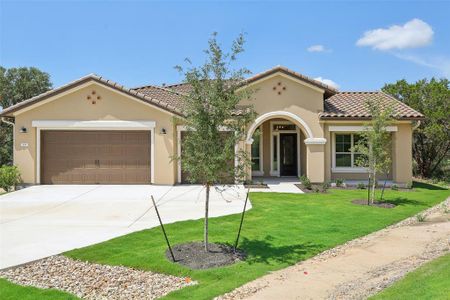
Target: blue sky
x=138 y=42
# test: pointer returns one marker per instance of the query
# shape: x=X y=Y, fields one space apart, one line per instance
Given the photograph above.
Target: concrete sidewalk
x=359 y=269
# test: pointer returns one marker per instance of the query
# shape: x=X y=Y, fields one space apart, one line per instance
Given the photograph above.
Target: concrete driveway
x=40 y=221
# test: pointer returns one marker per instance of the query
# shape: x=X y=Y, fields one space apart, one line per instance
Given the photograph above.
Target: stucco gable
x=69 y=88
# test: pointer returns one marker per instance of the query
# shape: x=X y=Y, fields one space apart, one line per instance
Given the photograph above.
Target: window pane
x=255 y=144
x=343 y=160
x=255 y=164
x=275 y=153
x=343 y=142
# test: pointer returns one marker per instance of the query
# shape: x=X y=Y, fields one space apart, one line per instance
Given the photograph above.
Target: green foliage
x=209 y=107
x=339 y=182
x=210 y=113
x=375 y=144
x=9 y=177
x=12 y=291
x=360 y=186
x=267 y=236
x=306 y=182
x=429 y=281
x=394 y=187
x=325 y=186
x=16 y=85
x=409 y=185
x=431 y=144
x=421 y=217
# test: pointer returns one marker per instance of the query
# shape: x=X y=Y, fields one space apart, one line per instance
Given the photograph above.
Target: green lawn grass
x=431 y=281
x=280 y=230
x=11 y=291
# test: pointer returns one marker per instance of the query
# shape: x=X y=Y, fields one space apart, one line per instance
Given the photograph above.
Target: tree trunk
x=205 y=239
x=374 y=185
x=384 y=186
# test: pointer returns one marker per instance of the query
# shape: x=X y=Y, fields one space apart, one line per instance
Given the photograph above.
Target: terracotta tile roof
x=161 y=103
x=328 y=89
x=352 y=105
x=169 y=96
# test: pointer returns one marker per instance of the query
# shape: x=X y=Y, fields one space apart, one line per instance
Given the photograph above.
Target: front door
x=288 y=154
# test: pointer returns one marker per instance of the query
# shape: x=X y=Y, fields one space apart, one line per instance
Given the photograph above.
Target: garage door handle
x=97 y=162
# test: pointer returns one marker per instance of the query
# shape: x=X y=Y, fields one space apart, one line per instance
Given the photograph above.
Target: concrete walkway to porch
x=278 y=185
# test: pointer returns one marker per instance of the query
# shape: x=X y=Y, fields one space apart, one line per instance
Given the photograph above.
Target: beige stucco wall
x=112 y=106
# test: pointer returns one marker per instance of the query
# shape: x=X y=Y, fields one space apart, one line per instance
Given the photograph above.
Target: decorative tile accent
x=279 y=88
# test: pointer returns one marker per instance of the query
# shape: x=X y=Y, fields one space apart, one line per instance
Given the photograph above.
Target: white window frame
x=352 y=169
x=277 y=135
x=80 y=125
x=259 y=172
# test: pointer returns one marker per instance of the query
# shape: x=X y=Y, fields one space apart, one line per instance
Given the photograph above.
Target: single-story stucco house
x=93 y=130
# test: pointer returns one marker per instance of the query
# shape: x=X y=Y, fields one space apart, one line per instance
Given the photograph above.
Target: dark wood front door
x=288 y=154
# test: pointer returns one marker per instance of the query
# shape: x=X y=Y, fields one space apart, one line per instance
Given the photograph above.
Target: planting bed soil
x=312 y=190
x=375 y=203
x=194 y=256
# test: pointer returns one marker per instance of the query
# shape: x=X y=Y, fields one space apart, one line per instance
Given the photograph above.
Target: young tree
x=211 y=107
x=374 y=145
x=431 y=146
x=16 y=85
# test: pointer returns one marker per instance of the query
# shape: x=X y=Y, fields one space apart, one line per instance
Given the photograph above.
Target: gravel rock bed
x=94 y=281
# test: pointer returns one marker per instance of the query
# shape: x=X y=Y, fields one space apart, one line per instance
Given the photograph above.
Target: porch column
x=315 y=159
x=402 y=154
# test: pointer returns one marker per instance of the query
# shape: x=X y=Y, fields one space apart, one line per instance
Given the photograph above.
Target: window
x=275 y=153
x=344 y=156
x=256 y=151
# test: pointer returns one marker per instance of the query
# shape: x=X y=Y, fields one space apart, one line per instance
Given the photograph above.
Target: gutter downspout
x=4 y=120
x=416 y=126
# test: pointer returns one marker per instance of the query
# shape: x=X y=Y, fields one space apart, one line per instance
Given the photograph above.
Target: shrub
x=409 y=185
x=421 y=217
x=9 y=177
x=316 y=190
x=394 y=187
x=325 y=186
x=360 y=186
x=306 y=182
x=340 y=182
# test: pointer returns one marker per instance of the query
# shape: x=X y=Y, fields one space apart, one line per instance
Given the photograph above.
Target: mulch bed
x=375 y=203
x=194 y=256
x=312 y=190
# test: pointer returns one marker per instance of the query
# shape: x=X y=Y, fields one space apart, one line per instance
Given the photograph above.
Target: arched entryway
x=277 y=143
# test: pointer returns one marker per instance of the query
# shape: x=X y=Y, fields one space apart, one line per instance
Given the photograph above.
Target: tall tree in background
x=374 y=145
x=431 y=144
x=208 y=154
x=16 y=85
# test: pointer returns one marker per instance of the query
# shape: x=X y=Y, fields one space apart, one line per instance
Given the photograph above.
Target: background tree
x=432 y=138
x=374 y=145
x=208 y=153
x=16 y=85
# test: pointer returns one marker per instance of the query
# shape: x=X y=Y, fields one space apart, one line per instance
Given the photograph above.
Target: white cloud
x=327 y=82
x=317 y=48
x=413 y=34
x=441 y=64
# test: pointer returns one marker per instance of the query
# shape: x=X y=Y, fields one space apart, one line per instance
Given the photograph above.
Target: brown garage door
x=91 y=157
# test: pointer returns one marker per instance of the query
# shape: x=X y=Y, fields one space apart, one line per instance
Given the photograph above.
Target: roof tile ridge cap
x=400 y=102
x=156 y=101
x=164 y=89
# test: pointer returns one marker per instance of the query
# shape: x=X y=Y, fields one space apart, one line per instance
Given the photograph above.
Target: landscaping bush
x=339 y=182
x=325 y=186
x=360 y=186
x=306 y=182
x=409 y=185
x=9 y=177
x=394 y=187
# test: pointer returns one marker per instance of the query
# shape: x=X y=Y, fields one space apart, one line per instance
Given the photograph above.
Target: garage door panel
x=89 y=157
